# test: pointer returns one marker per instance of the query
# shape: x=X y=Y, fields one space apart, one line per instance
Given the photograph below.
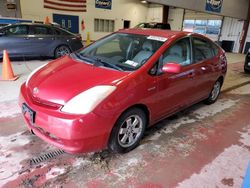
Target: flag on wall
x=66 y=5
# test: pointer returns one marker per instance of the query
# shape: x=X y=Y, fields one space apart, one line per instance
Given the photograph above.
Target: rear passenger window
x=40 y=30
x=202 y=50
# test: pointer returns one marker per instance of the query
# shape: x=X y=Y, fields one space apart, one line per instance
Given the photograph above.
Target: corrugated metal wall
x=231 y=31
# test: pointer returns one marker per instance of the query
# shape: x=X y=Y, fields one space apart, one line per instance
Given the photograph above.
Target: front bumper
x=72 y=133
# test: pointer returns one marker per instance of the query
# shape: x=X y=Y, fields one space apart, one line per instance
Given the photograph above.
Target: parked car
x=153 y=25
x=247 y=63
x=108 y=93
x=33 y=40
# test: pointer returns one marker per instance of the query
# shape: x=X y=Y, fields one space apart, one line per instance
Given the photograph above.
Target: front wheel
x=214 y=94
x=62 y=51
x=128 y=131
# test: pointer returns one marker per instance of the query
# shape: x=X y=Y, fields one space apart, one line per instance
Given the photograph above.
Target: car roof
x=27 y=23
x=156 y=32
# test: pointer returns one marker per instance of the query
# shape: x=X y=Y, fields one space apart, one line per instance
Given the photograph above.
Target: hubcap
x=130 y=131
x=215 y=91
x=63 y=50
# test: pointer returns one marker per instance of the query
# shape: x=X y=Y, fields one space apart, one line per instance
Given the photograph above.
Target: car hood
x=62 y=79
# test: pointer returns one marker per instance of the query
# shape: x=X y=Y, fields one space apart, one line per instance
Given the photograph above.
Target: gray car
x=37 y=40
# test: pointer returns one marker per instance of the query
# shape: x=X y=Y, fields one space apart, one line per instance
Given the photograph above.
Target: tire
x=128 y=131
x=214 y=94
x=61 y=51
x=246 y=71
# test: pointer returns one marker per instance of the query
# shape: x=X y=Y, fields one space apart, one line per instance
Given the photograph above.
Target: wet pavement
x=202 y=146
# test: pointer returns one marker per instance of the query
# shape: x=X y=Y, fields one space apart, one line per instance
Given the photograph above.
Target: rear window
x=58 y=31
x=202 y=49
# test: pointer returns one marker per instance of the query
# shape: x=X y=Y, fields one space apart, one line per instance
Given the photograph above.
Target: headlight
x=86 y=101
x=33 y=72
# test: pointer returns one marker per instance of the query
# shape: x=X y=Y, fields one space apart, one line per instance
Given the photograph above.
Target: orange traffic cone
x=7 y=72
x=46 y=21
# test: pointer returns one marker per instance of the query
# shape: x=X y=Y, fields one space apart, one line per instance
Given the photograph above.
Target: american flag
x=66 y=5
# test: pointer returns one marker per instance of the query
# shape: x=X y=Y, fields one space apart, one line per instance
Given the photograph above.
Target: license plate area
x=31 y=113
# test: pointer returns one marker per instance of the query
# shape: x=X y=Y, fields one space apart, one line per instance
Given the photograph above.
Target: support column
x=165 y=14
x=244 y=31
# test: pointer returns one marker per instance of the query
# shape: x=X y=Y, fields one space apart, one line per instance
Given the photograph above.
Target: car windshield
x=123 y=52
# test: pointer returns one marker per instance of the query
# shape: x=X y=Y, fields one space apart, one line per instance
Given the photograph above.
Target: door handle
x=190 y=75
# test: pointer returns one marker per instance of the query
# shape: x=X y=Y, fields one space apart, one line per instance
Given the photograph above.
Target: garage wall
x=155 y=13
x=230 y=8
x=122 y=10
x=9 y=13
x=175 y=18
x=231 y=31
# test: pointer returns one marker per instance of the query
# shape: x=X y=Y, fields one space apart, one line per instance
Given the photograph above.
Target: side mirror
x=171 y=68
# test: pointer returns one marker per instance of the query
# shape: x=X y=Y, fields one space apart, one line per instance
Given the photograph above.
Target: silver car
x=37 y=40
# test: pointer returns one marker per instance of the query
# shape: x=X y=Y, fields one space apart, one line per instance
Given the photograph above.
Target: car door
x=176 y=90
x=14 y=40
x=42 y=40
x=206 y=66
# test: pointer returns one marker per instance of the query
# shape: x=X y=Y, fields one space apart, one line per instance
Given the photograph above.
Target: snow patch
x=9 y=109
x=245 y=137
x=54 y=172
x=9 y=159
x=219 y=106
x=230 y=164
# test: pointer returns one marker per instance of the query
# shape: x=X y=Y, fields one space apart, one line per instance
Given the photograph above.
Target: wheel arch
x=221 y=80
x=141 y=106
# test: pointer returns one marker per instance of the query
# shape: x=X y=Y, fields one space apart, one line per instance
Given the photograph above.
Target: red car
x=108 y=93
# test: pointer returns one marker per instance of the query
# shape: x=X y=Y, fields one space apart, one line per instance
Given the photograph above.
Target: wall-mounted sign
x=105 y=4
x=214 y=5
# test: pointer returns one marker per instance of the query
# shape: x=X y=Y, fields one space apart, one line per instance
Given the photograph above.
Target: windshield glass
x=123 y=52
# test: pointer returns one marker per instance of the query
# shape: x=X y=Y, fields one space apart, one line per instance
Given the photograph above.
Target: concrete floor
x=203 y=146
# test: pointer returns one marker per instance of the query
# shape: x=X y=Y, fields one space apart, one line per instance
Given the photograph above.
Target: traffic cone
x=46 y=21
x=7 y=72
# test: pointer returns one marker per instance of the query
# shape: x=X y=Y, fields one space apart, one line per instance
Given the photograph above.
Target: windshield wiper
x=96 y=61
x=84 y=58
x=99 y=61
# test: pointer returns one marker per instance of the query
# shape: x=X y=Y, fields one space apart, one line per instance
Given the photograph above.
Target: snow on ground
x=9 y=158
x=9 y=109
x=226 y=170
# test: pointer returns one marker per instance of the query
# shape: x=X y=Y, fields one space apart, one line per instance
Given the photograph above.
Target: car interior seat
x=175 y=54
x=143 y=55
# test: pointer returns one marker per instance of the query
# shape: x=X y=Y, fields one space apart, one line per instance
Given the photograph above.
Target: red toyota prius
x=108 y=93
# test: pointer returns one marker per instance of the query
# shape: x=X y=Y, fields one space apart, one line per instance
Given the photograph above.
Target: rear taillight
x=223 y=60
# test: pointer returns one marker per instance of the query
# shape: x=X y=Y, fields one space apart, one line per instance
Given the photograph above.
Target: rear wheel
x=128 y=131
x=62 y=51
x=214 y=94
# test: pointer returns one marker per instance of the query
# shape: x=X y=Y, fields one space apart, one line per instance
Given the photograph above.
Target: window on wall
x=104 y=25
x=210 y=28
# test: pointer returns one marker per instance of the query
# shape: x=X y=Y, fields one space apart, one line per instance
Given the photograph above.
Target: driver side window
x=178 y=53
